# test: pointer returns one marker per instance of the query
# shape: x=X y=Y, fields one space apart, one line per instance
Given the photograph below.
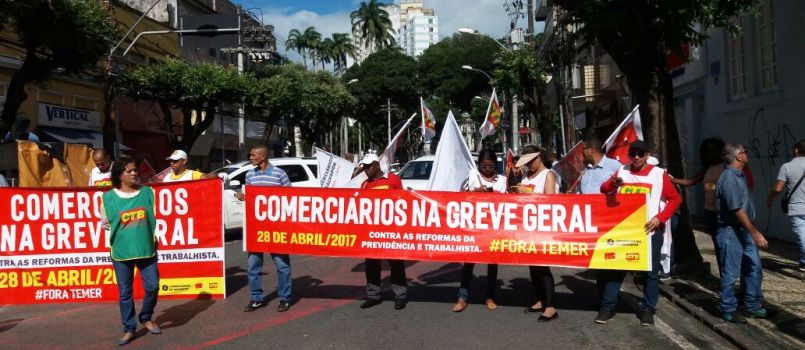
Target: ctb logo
x=632 y=256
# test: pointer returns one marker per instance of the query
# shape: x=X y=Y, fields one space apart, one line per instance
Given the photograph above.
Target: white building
x=415 y=28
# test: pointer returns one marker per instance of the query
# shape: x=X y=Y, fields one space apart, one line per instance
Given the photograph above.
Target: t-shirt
x=537 y=183
x=99 y=179
x=790 y=173
x=186 y=175
x=387 y=182
x=272 y=176
x=595 y=175
x=475 y=180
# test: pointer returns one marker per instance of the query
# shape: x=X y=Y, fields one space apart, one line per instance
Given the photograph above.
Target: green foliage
x=440 y=71
x=518 y=69
x=70 y=35
x=374 y=24
x=387 y=73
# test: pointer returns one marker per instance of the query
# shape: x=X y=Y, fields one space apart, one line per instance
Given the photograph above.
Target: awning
x=75 y=136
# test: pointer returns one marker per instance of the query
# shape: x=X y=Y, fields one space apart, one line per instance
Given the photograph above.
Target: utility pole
x=388 y=111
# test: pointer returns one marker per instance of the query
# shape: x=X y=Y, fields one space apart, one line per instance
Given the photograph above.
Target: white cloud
x=486 y=16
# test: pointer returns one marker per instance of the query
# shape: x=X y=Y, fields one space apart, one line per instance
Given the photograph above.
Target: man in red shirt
x=640 y=177
x=377 y=180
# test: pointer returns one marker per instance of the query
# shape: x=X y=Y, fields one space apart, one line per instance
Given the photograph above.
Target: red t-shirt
x=387 y=182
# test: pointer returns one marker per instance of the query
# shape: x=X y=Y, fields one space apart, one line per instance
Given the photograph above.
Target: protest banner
x=332 y=170
x=53 y=248
x=584 y=231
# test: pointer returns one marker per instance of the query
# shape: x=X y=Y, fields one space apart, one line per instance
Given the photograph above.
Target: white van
x=301 y=171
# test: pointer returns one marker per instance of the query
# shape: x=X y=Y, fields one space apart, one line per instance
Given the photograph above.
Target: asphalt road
x=326 y=315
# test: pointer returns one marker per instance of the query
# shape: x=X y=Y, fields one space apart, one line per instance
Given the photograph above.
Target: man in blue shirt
x=598 y=167
x=266 y=174
x=738 y=239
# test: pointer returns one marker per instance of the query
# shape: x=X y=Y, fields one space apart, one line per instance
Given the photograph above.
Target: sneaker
x=733 y=317
x=283 y=306
x=757 y=313
x=801 y=268
x=665 y=276
x=370 y=302
x=604 y=316
x=399 y=304
x=647 y=318
x=254 y=305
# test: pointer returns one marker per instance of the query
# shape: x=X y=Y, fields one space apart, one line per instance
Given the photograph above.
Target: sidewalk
x=783 y=288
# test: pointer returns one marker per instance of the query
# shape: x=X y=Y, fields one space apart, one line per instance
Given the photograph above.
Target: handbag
x=787 y=197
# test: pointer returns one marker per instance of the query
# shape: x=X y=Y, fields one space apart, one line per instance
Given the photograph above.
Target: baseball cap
x=177 y=154
x=639 y=145
x=370 y=158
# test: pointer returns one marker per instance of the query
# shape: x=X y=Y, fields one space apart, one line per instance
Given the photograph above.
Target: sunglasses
x=487 y=167
x=637 y=153
x=366 y=166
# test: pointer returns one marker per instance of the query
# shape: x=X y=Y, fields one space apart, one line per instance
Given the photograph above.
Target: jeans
x=255 y=271
x=739 y=258
x=466 y=278
x=798 y=226
x=711 y=220
x=610 y=281
x=399 y=285
x=124 y=275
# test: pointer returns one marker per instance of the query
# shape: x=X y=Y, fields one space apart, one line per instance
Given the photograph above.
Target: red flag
x=571 y=166
x=146 y=171
x=158 y=177
x=630 y=130
x=509 y=160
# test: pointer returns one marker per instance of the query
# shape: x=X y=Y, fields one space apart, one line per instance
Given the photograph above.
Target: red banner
x=586 y=231
x=53 y=248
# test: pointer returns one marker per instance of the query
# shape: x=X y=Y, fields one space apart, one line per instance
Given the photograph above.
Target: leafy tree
x=192 y=88
x=440 y=71
x=520 y=72
x=69 y=35
x=373 y=24
x=638 y=34
x=387 y=73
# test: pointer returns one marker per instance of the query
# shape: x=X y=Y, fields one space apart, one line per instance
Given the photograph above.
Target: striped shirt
x=272 y=176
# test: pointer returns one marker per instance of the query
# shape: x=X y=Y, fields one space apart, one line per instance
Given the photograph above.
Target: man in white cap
x=377 y=180
x=179 y=170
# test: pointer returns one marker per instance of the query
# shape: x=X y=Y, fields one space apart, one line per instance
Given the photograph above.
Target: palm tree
x=312 y=40
x=326 y=52
x=373 y=24
x=297 y=42
x=342 y=47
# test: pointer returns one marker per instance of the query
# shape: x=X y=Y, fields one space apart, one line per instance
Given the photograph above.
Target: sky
x=332 y=16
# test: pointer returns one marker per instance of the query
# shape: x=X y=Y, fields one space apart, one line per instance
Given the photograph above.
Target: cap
x=177 y=154
x=639 y=145
x=370 y=158
x=525 y=159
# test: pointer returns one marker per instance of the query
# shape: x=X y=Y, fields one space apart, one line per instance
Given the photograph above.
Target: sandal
x=490 y=304
x=461 y=304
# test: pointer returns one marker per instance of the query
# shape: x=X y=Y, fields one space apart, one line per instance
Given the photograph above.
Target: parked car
x=301 y=171
x=416 y=173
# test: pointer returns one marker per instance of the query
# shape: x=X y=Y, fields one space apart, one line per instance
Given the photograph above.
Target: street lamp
x=345 y=129
x=467 y=67
x=473 y=31
x=352 y=81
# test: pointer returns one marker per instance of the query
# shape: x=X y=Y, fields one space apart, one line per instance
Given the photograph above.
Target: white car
x=301 y=171
x=416 y=173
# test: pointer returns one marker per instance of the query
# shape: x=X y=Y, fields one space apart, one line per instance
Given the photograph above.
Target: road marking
x=677 y=338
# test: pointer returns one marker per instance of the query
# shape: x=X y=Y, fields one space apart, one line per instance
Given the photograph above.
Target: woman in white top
x=539 y=179
x=486 y=179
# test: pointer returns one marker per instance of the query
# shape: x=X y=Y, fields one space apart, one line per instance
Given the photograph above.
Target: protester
x=377 y=180
x=791 y=176
x=19 y=131
x=266 y=174
x=538 y=179
x=133 y=243
x=100 y=176
x=179 y=170
x=640 y=177
x=738 y=239
x=486 y=179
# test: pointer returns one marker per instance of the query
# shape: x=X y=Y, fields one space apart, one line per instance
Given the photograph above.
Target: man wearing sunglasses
x=378 y=180
x=180 y=171
x=639 y=177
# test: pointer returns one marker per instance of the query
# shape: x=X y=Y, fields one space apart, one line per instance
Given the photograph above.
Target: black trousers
x=399 y=284
x=491 y=279
x=543 y=284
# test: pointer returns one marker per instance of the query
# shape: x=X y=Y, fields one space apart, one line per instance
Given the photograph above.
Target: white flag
x=386 y=158
x=453 y=162
x=333 y=171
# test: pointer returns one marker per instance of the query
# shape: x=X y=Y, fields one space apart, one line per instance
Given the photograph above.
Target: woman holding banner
x=486 y=179
x=128 y=211
x=538 y=179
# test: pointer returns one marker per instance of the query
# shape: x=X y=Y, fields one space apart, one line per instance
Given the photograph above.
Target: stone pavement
x=783 y=288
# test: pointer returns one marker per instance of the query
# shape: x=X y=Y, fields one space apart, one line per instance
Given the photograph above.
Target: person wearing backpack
x=790 y=177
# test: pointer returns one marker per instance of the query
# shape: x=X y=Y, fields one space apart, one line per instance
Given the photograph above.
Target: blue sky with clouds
x=332 y=16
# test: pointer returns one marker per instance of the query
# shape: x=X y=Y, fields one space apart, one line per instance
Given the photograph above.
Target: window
x=417 y=170
x=737 y=67
x=766 y=45
x=85 y=102
x=296 y=172
x=314 y=169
